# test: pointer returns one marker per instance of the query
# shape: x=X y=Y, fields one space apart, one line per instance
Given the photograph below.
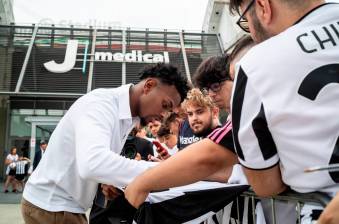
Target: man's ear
x=215 y=112
x=149 y=84
x=264 y=11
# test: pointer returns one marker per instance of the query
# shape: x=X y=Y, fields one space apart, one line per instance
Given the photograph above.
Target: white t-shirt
x=173 y=150
x=285 y=102
x=84 y=151
x=13 y=159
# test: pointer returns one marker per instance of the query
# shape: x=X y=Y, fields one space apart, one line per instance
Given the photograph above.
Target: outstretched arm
x=196 y=162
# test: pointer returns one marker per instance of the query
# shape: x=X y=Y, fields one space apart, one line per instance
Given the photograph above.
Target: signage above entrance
x=135 y=56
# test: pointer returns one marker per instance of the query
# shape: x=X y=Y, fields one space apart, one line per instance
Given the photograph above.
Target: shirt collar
x=312 y=10
x=124 y=103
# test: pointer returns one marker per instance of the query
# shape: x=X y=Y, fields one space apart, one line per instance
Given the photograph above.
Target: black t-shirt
x=223 y=136
x=144 y=147
x=186 y=135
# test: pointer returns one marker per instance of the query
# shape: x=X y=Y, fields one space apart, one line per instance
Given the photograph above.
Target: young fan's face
x=157 y=98
x=154 y=127
x=200 y=119
x=170 y=140
x=221 y=96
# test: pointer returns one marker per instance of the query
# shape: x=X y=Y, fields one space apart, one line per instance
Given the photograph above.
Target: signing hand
x=154 y=159
x=109 y=191
x=330 y=215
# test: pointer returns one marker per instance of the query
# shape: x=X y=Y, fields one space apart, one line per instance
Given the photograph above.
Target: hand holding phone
x=161 y=150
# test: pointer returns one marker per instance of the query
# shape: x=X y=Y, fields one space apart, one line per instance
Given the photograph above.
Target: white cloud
x=161 y=14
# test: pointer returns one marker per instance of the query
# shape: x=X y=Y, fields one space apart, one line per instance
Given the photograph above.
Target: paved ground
x=10 y=214
x=10 y=207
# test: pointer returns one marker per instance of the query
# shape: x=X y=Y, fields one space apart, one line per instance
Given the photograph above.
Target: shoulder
x=267 y=54
x=286 y=48
x=218 y=133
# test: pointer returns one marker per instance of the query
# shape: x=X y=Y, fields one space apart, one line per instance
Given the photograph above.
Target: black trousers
x=117 y=211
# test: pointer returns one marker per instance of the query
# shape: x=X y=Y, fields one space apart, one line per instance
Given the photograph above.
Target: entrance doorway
x=44 y=124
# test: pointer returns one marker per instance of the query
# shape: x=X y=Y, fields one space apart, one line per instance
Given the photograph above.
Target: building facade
x=219 y=20
x=6 y=12
x=43 y=70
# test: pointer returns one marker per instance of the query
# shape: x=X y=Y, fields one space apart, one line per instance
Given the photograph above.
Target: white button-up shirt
x=84 y=151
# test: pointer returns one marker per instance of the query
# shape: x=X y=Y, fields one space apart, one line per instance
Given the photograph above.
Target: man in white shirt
x=85 y=146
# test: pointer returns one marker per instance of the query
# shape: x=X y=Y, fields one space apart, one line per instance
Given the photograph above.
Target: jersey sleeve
x=253 y=140
x=223 y=136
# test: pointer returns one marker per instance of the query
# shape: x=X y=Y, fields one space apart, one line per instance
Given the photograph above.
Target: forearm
x=221 y=175
x=196 y=162
x=112 y=169
x=265 y=182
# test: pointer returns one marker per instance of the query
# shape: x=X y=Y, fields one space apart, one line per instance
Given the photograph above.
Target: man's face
x=170 y=140
x=43 y=146
x=221 y=95
x=154 y=127
x=200 y=119
x=258 y=32
x=156 y=99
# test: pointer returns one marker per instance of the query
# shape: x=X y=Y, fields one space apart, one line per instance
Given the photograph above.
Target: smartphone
x=161 y=150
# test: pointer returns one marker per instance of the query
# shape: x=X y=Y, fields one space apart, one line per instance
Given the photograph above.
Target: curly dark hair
x=211 y=70
x=167 y=74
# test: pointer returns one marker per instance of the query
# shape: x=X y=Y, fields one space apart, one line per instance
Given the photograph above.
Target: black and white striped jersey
x=285 y=102
x=21 y=167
